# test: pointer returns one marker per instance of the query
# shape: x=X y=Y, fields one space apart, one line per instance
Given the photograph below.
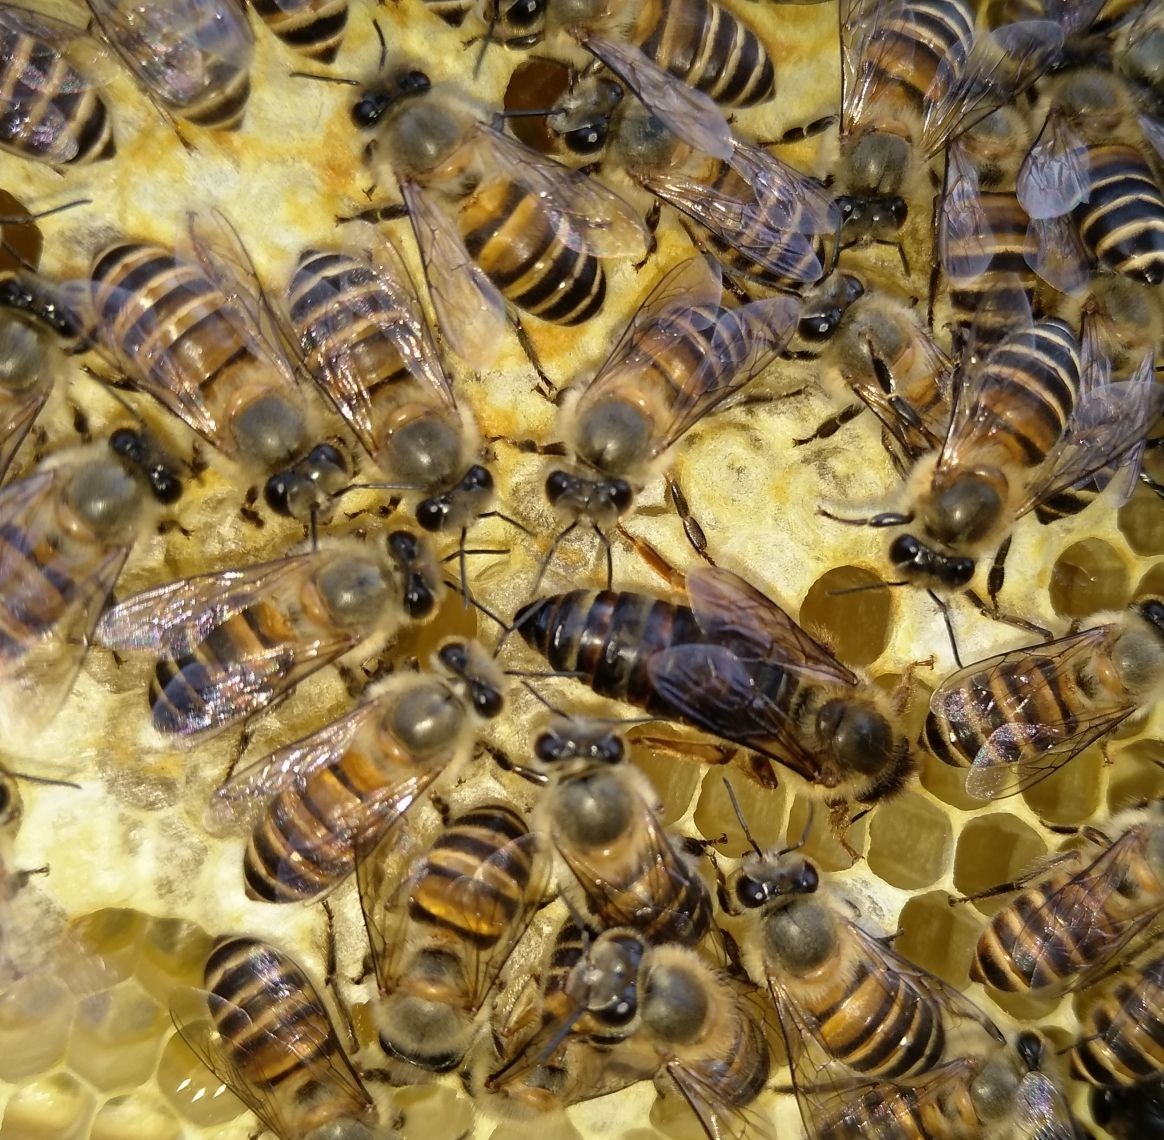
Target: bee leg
x=375 y=214
x=832 y=425
x=530 y=446
x=691 y=527
x=672 y=576
x=1016 y=884
x=247 y=511
x=545 y=386
x=904 y=691
x=801 y=131
x=329 y=978
x=652 y=224
x=998 y=615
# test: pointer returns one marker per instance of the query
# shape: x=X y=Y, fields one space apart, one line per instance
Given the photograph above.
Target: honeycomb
x=87 y=1046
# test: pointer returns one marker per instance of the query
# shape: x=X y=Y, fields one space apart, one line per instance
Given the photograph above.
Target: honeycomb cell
x=35 y=1015
x=1141 y=521
x=1152 y=583
x=806 y=818
x=1138 y=776
x=674 y=772
x=173 y=952
x=763 y=813
x=910 y=842
x=672 y=1116
x=1088 y=577
x=944 y=781
x=116 y=1037
x=432 y=1113
x=1073 y=793
x=21 y=242
x=196 y=1094
x=992 y=849
x=56 y=1107
x=132 y=1118
x=111 y=938
x=939 y=937
x=847 y=609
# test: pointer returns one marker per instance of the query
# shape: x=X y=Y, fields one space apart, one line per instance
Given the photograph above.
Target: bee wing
x=1000 y=66
x=689 y=114
x=964 y=234
x=867 y=47
x=1042 y=1109
x=600 y=222
x=1055 y=175
x=177 y=616
x=1074 y=15
x=18 y=412
x=470 y=312
x=728 y=607
x=1055 y=251
x=1154 y=132
x=784 y=191
x=719 y=1119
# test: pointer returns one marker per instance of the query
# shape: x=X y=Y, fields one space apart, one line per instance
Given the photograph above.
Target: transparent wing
x=782 y=191
x=470 y=311
x=1055 y=251
x=177 y=616
x=719 y=1118
x=689 y=114
x=868 y=47
x=18 y=412
x=1055 y=174
x=1154 y=132
x=965 y=245
x=1042 y=1109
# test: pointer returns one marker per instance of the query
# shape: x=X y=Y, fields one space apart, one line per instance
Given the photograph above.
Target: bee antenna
x=341 y=79
x=945 y=612
x=865 y=587
x=486 y=40
x=30 y=778
x=803 y=835
x=383 y=44
x=542 y=700
x=470 y=600
x=507 y=518
x=24 y=219
x=313 y=528
x=740 y=816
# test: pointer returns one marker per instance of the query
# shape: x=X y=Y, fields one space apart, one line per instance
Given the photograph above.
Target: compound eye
x=165 y=485
x=454 y=657
x=418 y=597
x=550 y=747
x=325 y=454
x=370 y=109
x=487 y=702
x=750 y=892
x=899 y=210
x=277 y=493
x=402 y=545
x=559 y=483
x=128 y=443
x=611 y=750
x=588 y=139
x=477 y=478
x=808 y=880
x=959 y=571
x=905 y=551
x=415 y=83
x=431 y=513
x=621 y=495
x=525 y=13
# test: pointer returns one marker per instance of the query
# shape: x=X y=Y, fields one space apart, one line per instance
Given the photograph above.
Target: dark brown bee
x=443 y=933
x=1014 y=719
x=231 y=642
x=734 y=664
x=192 y=57
x=333 y=795
x=274 y=1046
x=50 y=109
x=314 y=28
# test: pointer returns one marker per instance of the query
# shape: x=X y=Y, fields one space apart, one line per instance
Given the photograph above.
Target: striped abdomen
x=475 y=880
x=1122 y=1034
x=515 y=240
x=739 y=1070
x=570 y=951
x=250 y=651
x=314 y=28
x=53 y=114
x=1122 y=221
x=266 y=1004
x=713 y=50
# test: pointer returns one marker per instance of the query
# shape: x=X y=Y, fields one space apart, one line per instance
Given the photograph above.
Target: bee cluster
x=410 y=414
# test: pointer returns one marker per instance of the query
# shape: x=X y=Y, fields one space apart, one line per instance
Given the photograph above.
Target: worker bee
x=367 y=344
x=1007 y=1093
x=1130 y=1113
x=442 y=935
x=192 y=57
x=841 y=994
x=734 y=664
x=656 y=1011
x=1014 y=719
x=231 y=642
x=50 y=109
x=314 y=28
x=1080 y=911
x=1139 y=50
x=914 y=76
x=679 y=358
x=273 y=1044
x=1117 y=1043
x=67 y=530
x=340 y=790
x=495 y=221
x=617 y=863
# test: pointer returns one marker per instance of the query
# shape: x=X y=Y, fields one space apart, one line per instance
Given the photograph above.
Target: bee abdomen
x=36 y=590
x=915 y=41
x=314 y=28
x=1122 y=222
x=1123 y=1032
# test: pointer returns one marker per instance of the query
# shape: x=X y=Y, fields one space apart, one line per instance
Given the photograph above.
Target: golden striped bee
x=367 y=344
x=680 y=357
x=191 y=57
x=65 y=533
x=654 y=1011
x=336 y=793
x=272 y=1042
x=733 y=663
x=50 y=107
x=495 y=222
x=314 y=28
x=1080 y=912
x=1118 y=1044
x=914 y=75
x=231 y=642
x=617 y=864
x=1014 y=719
x=442 y=935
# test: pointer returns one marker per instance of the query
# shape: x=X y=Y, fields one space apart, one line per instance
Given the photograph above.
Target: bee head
x=376 y=102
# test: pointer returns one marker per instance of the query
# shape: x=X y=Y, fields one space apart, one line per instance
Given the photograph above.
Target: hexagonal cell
x=1088 y=577
x=1152 y=583
x=117 y=1036
x=848 y=610
x=132 y=1117
x=944 y=781
x=195 y=1092
x=173 y=952
x=1073 y=793
x=806 y=818
x=23 y=241
x=56 y=1107
x=674 y=772
x=111 y=940
x=432 y=1112
x=35 y=1015
x=939 y=937
x=672 y=1116
x=1141 y=522
x=1137 y=776
x=763 y=812
x=993 y=849
x=910 y=842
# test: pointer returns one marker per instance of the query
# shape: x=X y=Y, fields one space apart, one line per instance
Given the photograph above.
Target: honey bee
x=67 y=530
x=657 y=1011
x=1117 y=1044
x=1130 y=1113
x=734 y=664
x=142 y=452
x=314 y=28
x=1014 y=719
x=618 y=864
x=841 y=994
x=1006 y=1094
x=1128 y=320
x=369 y=348
x=273 y=1044
x=444 y=933
x=50 y=109
x=231 y=642
x=1139 y=49
x=495 y=221
x=192 y=57
x=1080 y=911
x=679 y=358
x=340 y=790
x=914 y=75
x=28 y=363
